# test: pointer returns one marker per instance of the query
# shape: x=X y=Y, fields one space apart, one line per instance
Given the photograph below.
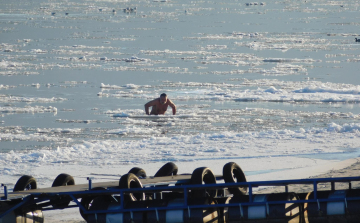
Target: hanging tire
x=25 y=182
x=86 y=201
x=203 y=175
x=232 y=173
x=139 y=172
x=169 y=169
x=129 y=181
x=62 y=179
x=100 y=203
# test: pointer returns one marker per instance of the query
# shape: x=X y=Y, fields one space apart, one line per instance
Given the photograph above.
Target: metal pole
x=90 y=182
x=5 y=191
x=250 y=193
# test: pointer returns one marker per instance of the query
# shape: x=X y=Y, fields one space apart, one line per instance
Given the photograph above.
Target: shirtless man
x=160 y=105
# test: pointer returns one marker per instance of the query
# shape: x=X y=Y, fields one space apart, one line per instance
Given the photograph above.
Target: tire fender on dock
x=203 y=175
x=232 y=173
x=87 y=200
x=101 y=202
x=62 y=179
x=139 y=172
x=129 y=181
x=169 y=169
x=25 y=182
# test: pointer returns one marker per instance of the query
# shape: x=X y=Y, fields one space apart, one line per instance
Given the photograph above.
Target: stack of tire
x=143 y=200
x=34 y=213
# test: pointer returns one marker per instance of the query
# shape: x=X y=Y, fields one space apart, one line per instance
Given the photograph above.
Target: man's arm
x=148 y=105
x=173 y=106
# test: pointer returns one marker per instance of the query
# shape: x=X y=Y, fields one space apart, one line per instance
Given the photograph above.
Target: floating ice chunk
x=284 y=69
x=110 y=86
x=128 y=86
x=121 y=115
x=7 y=99
x=38 y=51
x=67 y=131
x=134 y=59
x=352 y=127
x=129 y=112
x=131 y=86
x=6 y=86
x=102 y=94
x=271 y=90
x=211 y=47
x=28 y=109
x=37 y=85
x=134 y=131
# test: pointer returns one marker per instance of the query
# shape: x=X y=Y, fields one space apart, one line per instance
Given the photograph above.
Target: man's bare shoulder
x=153 y=102
x=169 y=102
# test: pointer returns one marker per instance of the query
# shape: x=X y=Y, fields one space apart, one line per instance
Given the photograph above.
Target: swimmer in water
x=160 y=105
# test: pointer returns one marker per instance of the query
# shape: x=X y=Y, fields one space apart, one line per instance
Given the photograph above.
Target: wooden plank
x=151 y=181
x=147 y=182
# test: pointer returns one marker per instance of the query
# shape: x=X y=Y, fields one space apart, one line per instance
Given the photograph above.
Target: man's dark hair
x=163 y=95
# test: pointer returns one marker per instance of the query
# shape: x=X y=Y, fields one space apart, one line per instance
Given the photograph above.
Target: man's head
x=163 y=98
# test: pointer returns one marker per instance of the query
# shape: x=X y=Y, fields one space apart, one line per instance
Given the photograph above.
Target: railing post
x=90 y=182
x=5 y=191
x=122 y=205
x=332 y=186
x=250 y=193
x=315 y=189
x=186 y=194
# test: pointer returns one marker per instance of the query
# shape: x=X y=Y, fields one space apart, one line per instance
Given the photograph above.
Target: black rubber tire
x=25 y=182
x=87 y=200
x=203 y=175
x=232 y=173
x=62 y=179
x=129 y=181
x=139 y=172
x=169 y=169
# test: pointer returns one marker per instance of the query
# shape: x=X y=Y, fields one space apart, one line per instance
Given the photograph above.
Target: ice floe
x=28 y=109
x=10 y=98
